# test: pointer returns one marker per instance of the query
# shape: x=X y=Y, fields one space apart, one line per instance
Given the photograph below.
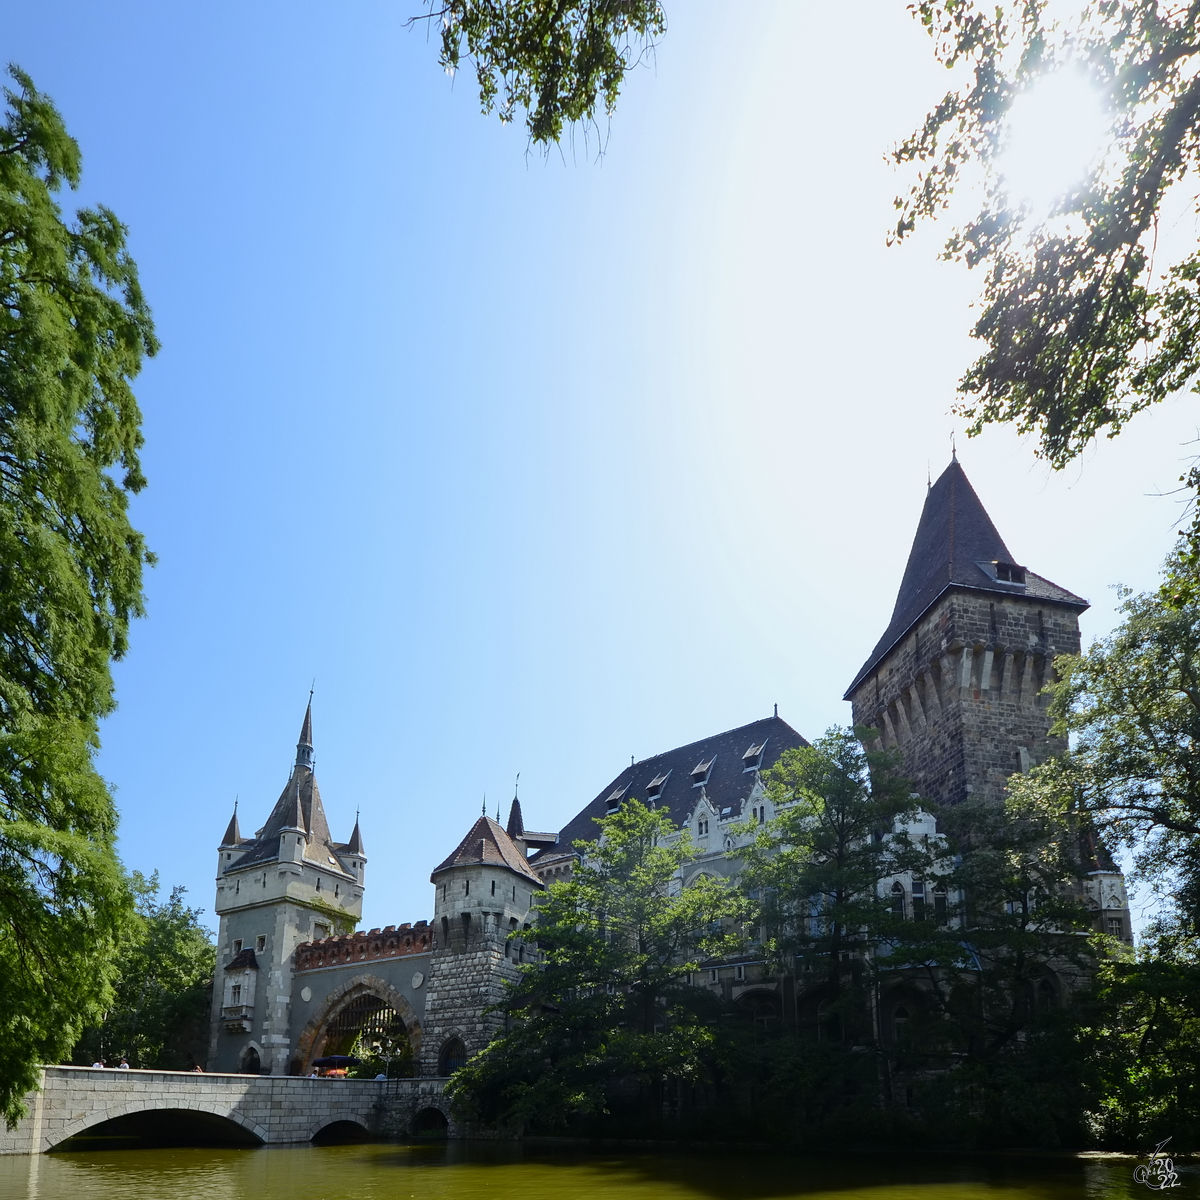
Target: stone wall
x=959 y=694
x=390 y=942
x=274 y=1109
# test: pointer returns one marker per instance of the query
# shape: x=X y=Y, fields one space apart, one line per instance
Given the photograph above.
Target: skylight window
x=701 y=770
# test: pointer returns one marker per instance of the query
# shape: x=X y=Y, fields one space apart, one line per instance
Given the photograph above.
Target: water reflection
x=495 y=1171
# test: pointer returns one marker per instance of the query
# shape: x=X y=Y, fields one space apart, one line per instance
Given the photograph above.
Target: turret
x=291 y=883
x=955 y=681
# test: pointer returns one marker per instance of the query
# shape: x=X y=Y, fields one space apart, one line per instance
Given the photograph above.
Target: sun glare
x=1057 y=131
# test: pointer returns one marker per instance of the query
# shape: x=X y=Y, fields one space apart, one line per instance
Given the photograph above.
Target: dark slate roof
x=233 y=835
x=298 y=807
x=487 y=845
x=954 y=537
x=728 y=782
x=244 y=958
x=355 y=844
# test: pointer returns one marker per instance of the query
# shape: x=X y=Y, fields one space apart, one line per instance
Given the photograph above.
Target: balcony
x=237 y=1017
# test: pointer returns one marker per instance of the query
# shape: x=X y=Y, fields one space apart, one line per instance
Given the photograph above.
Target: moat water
x=490 y=1171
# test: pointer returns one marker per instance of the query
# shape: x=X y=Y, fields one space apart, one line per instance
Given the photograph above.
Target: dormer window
x=1003 y=572
x=613 y=802
x=701 y=772
x=752 y=759
x=655 y=786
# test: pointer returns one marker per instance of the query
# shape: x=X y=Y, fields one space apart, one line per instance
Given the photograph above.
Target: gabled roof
x=727 y=786
x=487 y=844
x=955 y=544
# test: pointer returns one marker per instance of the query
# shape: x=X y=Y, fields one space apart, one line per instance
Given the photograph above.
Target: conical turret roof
x=956 y=546
x=298 y=807
x=233 y=835
x=486 y=844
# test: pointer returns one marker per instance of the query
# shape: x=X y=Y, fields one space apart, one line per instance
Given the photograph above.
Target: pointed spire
x=516 y=823
x=295 y=809
x=956 y=545
x=304 y=747
x=355 y=844
x=233 y=835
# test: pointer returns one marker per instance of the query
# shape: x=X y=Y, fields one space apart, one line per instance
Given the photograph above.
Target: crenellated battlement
x=390 y=942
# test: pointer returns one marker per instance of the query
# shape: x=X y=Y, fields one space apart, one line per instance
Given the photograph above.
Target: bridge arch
x=252 y=1132
x=309 y=1042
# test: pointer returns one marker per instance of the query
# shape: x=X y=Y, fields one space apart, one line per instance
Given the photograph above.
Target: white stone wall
x=275 y=1109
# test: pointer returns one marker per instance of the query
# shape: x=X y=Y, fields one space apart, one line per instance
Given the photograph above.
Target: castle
x=954 y=683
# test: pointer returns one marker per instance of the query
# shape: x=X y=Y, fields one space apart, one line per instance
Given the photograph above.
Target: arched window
x=452 y=1057
x=1045 y=995
x=251 y=1063
x=900 y=1019
x=939 y=903
x=898 y=900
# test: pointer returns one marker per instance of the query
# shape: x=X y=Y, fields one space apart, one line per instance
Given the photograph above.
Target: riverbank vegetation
x=74 y=330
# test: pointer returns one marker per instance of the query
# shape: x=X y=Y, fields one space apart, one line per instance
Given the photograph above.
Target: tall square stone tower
x=290 y=883
x=955 y=680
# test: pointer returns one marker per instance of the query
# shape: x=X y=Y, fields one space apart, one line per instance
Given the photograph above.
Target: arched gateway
x=364 y=1007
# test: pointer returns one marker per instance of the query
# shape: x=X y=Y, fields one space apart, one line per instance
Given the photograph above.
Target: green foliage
x=73 y=330
x=158 y=1014
x=559 y=60
x=1080 y=334
x=608 y=1019
x=1147 y=1025
x=816 y=867
x=1131 y=705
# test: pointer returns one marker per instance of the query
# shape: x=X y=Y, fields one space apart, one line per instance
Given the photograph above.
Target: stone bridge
x=253 y=1109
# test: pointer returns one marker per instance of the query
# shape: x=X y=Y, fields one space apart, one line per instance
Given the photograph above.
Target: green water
x=461 y=1171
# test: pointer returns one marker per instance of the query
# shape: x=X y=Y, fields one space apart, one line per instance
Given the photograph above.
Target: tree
x=1083 y=327
x=1131 y=706
x=159 y=1011
x=74 y=328
x=816 y=868
x=608 y=1012
x=559 y=60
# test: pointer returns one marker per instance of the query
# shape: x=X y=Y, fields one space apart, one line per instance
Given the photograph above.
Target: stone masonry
x=960 y=693
x=271 y=1109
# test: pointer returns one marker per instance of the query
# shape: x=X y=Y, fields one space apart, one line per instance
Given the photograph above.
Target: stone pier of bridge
x=264 y=1109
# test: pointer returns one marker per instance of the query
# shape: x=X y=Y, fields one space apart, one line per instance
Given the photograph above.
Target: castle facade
x=954 y=683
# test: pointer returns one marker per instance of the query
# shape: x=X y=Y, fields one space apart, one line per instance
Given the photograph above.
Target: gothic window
x=898 y=900
x=453 y=1056
x=251 y=1063
x=1116 y=927
x=702 y=826
x=939 y=903
x=918 y=900
x=900 y=1019
x=1045 y=994
x=235 y=994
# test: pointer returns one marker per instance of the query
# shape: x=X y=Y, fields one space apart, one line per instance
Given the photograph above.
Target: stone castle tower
x=290 y=883
x=483 y=893
x=955 y=680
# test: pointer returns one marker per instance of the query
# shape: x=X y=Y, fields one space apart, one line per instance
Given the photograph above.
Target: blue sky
x=532 y=463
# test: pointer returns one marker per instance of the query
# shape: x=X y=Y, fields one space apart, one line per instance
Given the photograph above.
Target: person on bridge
x=123 y=1065
x=99 y=1063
